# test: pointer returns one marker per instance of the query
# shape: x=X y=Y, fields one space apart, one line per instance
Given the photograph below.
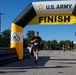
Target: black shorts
x=36 y=48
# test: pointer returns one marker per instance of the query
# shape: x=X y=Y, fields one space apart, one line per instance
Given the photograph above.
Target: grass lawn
x=74 y=50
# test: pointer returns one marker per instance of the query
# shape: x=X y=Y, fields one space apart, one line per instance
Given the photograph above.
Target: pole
x=75 y=33
x=0 y=21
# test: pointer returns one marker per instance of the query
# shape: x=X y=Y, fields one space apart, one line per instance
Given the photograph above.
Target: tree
x=0 y=40
x=6 y=38
x=54 y=44
x=61 y=43
x=29 y=35
x=66 y=43
x=48 y=43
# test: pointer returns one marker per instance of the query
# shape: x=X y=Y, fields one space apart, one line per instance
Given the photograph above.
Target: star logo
x=40 y=7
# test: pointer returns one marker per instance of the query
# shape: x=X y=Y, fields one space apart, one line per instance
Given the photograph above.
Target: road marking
x=49 y=62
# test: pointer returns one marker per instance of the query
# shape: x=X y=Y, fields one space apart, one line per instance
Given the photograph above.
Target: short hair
x=37 y=32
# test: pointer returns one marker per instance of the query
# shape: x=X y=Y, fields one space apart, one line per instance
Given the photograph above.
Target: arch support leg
x=17 y=39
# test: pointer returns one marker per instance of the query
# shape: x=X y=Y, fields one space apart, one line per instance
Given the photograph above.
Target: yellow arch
x=52 y=12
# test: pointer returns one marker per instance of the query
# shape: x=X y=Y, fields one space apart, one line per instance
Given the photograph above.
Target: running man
x=36 y=40
x=63 y=48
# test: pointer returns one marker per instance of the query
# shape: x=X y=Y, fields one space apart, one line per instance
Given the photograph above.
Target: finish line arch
x=49 y=12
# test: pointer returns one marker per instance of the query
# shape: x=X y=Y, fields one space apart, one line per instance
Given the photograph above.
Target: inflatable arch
x=50 y=12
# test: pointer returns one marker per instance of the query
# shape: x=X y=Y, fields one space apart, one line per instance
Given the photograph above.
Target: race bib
x=36 y=43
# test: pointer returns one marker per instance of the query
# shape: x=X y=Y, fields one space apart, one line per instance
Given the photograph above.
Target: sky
x=12 y=8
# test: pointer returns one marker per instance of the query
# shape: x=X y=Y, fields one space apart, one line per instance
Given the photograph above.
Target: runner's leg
x=37 y=55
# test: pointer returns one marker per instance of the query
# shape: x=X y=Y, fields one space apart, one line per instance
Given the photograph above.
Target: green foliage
x=66 y=43
x=5 y=41
x=29 y=35
x=5 y=38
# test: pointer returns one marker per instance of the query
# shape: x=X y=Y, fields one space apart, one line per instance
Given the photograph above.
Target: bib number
x=36 y=43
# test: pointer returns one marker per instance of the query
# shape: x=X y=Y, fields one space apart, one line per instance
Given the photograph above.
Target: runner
x=36 y=40
x=50 y=49
x=63 y=48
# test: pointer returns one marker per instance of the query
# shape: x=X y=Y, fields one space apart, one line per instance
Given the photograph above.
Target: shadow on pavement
x=6 y=70
x=36 y=67
x=29 y=62
x=2 y=72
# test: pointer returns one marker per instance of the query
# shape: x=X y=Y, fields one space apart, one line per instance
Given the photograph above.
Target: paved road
x=50 y=63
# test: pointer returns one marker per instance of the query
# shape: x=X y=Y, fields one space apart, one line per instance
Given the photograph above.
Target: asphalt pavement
x=50 y=63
